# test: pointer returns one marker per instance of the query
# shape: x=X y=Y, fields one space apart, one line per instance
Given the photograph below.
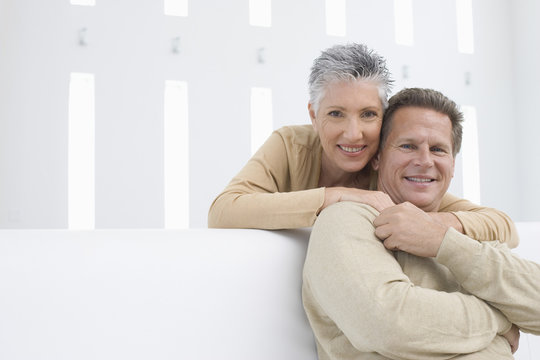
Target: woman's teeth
x=350 y=149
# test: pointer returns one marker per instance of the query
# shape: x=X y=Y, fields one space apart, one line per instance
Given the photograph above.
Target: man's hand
x=375 y=199
x=512 y=336
x=407 y=228
x=448 y=219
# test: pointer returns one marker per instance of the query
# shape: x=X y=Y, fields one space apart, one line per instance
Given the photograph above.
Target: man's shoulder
x=345 y=210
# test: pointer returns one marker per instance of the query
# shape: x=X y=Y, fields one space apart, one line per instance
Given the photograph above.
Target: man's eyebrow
x=447 y=147
x=410 y=139
x=405 y=139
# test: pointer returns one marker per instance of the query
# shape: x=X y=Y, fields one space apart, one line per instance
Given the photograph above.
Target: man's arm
x=488 y=270
x=493 y=273
x=448 y=219
x=362 y=288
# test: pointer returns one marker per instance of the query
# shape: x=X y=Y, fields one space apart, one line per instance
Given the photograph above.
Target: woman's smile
x=352 y=149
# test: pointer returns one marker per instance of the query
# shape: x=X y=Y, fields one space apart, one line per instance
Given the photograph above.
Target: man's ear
x=375 y=161
x=313 y=116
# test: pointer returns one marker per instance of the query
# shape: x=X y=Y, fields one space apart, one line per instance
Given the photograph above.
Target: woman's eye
x=335 y=113
x=369 y=114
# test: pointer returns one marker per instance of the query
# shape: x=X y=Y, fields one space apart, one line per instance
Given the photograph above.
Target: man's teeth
x=350 y=149
x=415 y=179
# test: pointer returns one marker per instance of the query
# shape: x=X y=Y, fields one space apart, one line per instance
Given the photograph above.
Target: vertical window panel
x=336 y=17
x=470 y=156
x=175 y=7
x=83 y=2
x=465 y=34
x=404 y=22
x=81 y=152
x=261 y=116
x=260 y=13
x=176 y=155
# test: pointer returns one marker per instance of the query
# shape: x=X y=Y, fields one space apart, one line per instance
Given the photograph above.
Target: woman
x=300 y=170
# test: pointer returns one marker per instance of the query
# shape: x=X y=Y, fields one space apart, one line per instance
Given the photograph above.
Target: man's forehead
x=412 y=122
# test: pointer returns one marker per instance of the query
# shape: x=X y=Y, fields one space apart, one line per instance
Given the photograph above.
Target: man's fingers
x=382 y=232
x=379 y=221
x=389 y=244
x=385 y=217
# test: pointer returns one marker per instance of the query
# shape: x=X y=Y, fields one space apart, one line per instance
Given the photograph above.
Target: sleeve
x=481 y=223
x=260 y=195
x=362 y=288
x=498 y=276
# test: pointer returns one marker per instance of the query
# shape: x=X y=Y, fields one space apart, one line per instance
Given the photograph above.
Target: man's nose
x=424 y=157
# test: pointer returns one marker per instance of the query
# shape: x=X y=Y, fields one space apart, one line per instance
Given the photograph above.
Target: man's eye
x=437 y=149
x=406 y=146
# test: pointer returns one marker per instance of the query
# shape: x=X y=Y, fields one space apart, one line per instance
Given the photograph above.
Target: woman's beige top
x=278 y=189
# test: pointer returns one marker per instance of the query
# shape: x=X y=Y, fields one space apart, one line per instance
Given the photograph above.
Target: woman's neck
x=332 y=177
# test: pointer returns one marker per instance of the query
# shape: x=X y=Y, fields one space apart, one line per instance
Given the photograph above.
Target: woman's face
x=348 y=123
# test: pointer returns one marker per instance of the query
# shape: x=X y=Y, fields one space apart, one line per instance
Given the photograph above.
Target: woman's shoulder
x=299 y=135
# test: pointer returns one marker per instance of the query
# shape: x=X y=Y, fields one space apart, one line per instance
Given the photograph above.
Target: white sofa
x=153 y=294
x=164 y=294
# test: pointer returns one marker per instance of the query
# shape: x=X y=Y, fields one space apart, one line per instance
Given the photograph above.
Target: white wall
x=526 y=50
x=129 y=52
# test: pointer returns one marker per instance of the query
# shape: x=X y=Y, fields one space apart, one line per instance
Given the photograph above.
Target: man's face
x=416 y=163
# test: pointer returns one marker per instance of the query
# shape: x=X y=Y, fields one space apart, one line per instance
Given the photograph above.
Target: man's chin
x=423 y=202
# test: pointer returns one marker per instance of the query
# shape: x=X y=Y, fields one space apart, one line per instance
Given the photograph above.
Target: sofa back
x=202 y=294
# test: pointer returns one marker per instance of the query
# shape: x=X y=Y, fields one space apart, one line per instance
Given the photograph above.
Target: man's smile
x=419 y=179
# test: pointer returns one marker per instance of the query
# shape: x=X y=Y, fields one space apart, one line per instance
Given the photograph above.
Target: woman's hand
x=375 y=199
x=512 y=336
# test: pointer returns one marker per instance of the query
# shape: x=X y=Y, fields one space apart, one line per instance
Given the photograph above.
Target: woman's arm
x=478 y=222
x=278 y=187
x=264 y=195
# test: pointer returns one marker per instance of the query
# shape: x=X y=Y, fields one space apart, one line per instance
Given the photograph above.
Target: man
x=426 y=291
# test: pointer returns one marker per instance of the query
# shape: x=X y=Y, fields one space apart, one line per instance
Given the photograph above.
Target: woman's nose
x=353 y=131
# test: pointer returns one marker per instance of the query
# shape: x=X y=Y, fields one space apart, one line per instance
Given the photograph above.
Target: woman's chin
x=353 y=168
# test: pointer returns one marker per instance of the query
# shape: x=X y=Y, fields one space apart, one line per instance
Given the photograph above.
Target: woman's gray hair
x=348 y=63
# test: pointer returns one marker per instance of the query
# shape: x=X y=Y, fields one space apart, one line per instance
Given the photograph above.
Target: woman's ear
x=375 y=161
x=313 y=116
